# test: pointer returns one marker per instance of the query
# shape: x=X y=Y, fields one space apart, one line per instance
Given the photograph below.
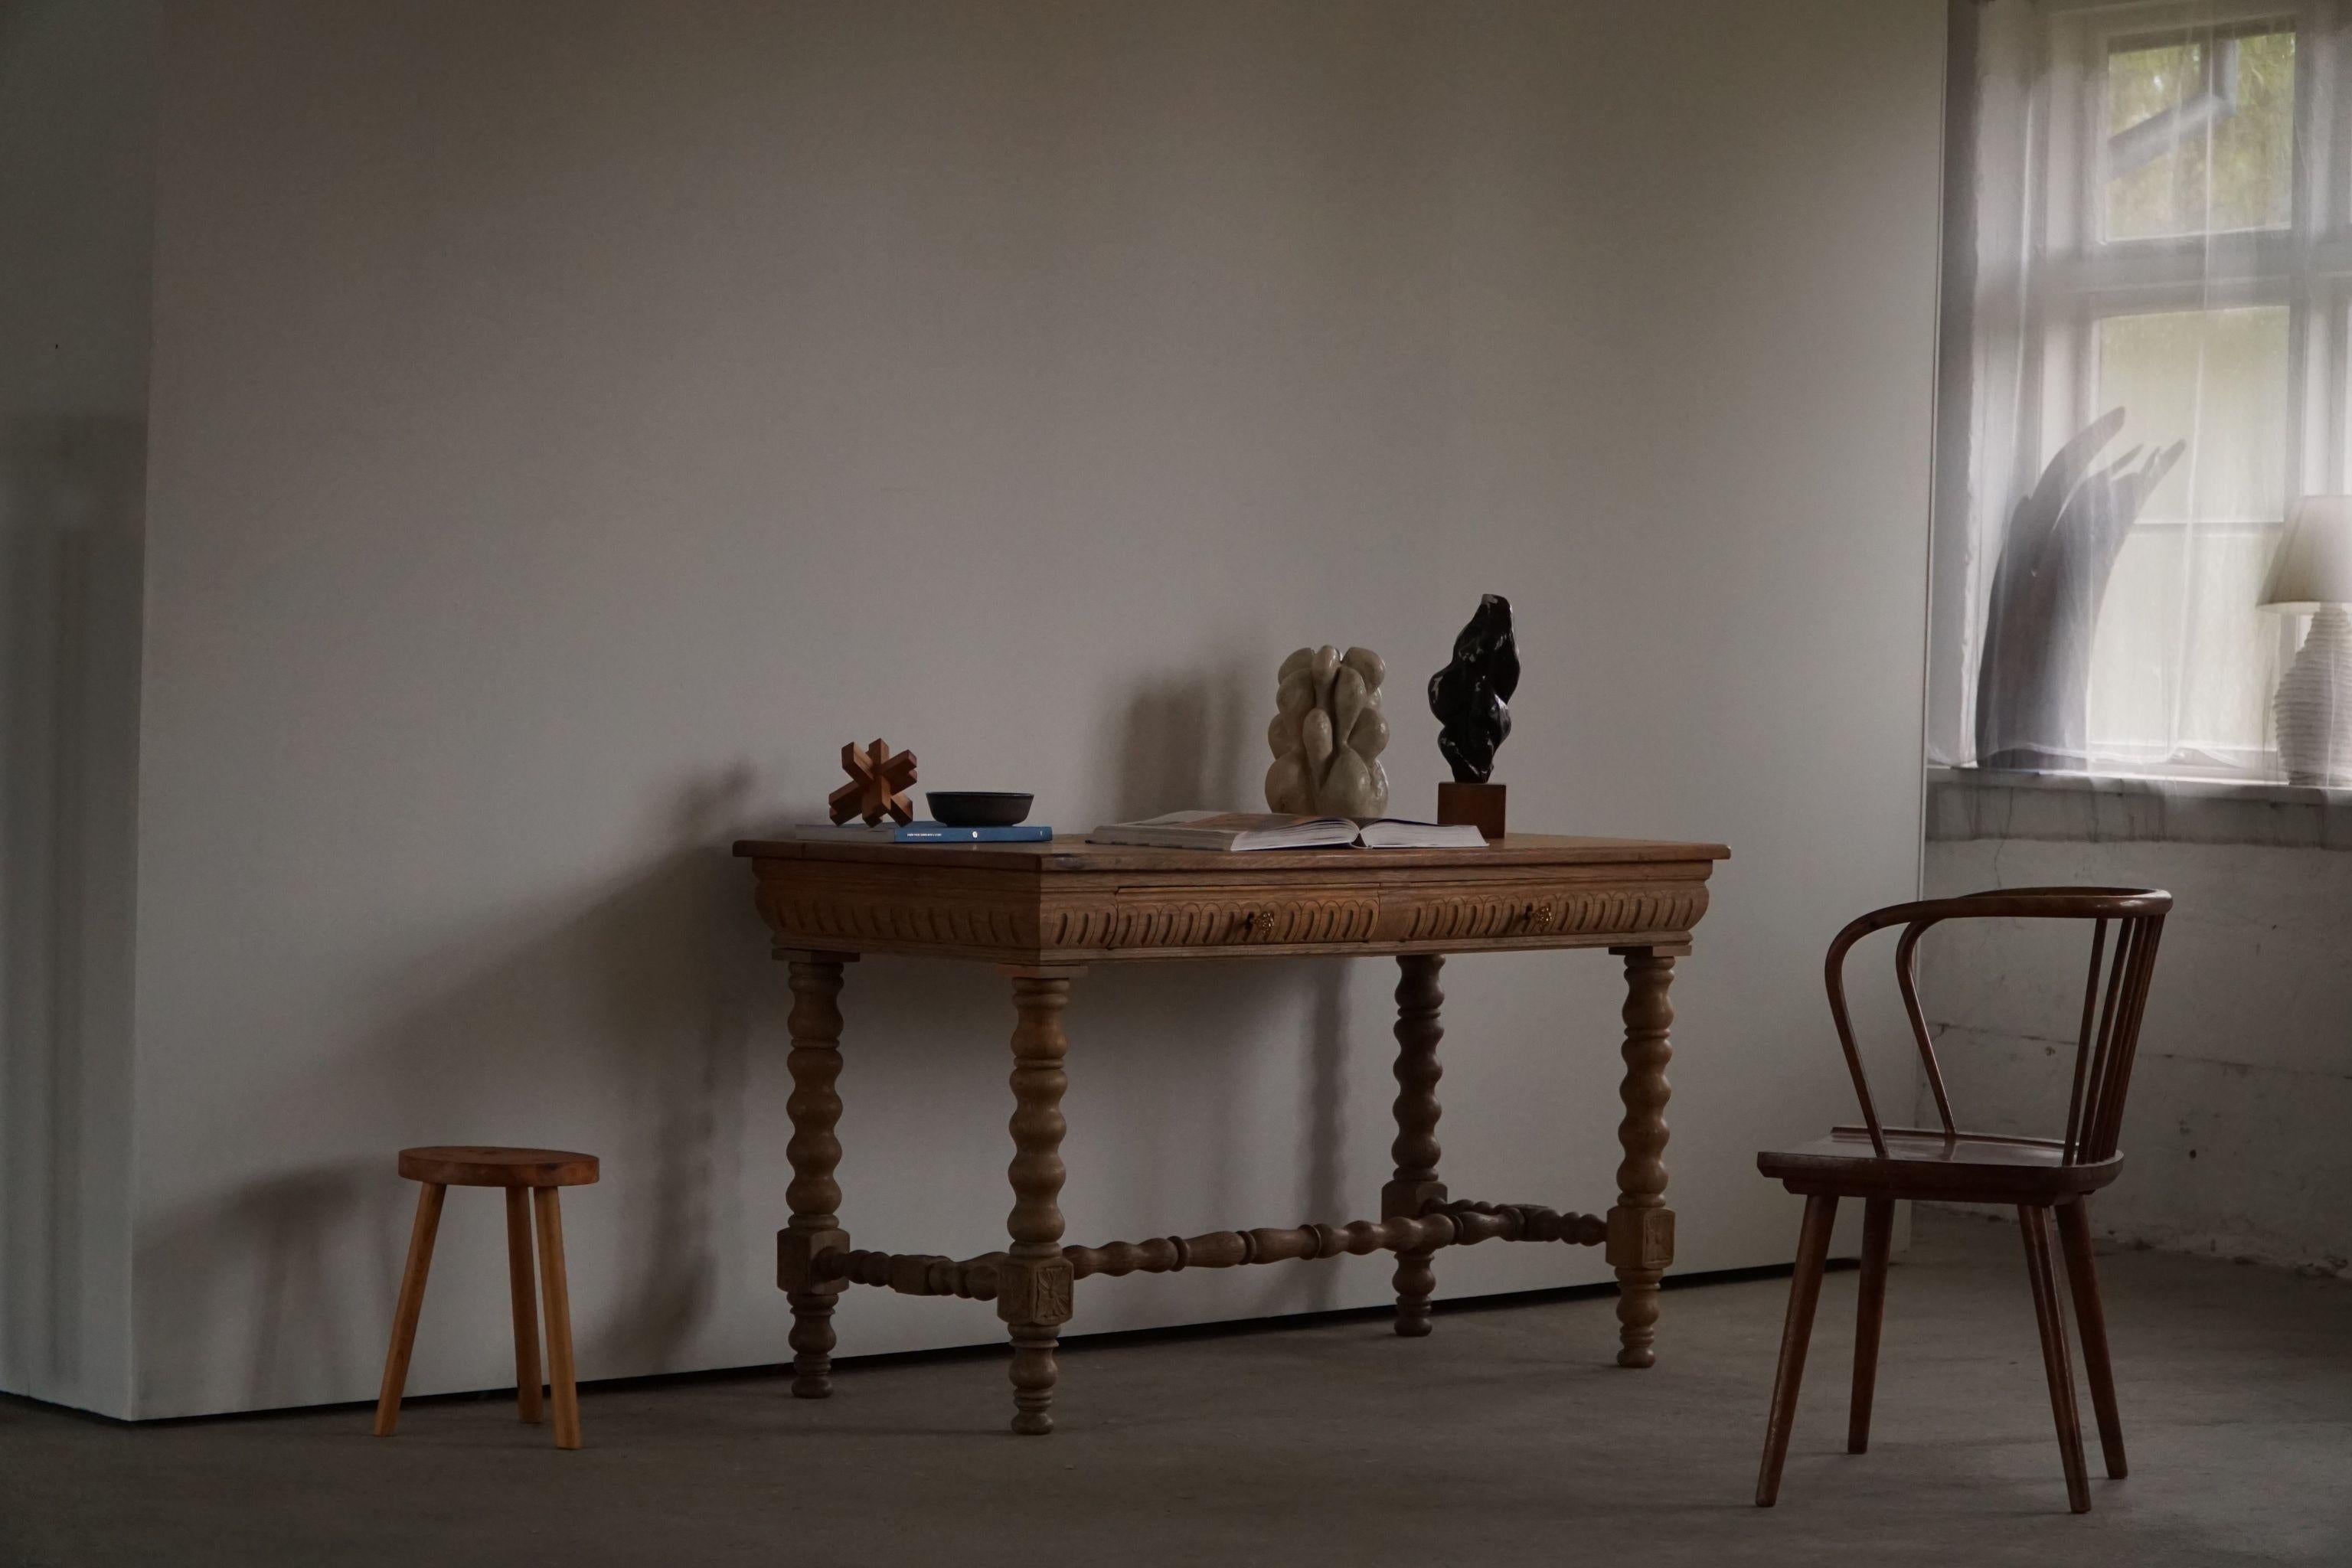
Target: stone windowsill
x=2101 y=808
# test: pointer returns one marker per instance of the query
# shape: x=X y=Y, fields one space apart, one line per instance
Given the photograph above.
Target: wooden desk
x=1042 y=913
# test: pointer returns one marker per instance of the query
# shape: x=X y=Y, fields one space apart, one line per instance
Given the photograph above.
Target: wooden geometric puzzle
x=878 y=778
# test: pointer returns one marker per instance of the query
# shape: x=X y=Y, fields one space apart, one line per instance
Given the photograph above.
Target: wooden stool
x=538 y=1172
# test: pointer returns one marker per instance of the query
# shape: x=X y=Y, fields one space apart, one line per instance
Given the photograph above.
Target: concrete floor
x=1506 y=1437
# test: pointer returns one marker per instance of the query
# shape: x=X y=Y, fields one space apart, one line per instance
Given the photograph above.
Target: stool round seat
x=484 y=1165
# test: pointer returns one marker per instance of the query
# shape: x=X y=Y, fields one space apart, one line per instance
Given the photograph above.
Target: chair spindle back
x=2115 y=997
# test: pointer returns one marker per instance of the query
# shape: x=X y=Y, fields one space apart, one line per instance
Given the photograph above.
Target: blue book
x=940 y=833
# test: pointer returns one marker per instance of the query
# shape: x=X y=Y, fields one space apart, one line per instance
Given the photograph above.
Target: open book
x=1261 y=830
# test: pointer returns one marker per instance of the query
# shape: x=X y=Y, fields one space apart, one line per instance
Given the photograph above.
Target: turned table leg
x=1641 y=1227
x=814 y=1153
x=1033 y=1283
x=1415 y=1149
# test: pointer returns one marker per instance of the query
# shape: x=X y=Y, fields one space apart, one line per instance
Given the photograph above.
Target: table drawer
x=1473 y=913
x=1162 y=917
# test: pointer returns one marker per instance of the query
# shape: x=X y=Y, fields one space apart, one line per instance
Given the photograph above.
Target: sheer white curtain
x=2148 y=264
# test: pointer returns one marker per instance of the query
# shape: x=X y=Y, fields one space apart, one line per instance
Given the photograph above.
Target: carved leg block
x=1641 y=1244
x=1415 y=1149
x=1034 y=1292
x=1641 y=1239
x=1406 y=1200
x=1033 y=1282
x=815 y=1152
x=796 y=1255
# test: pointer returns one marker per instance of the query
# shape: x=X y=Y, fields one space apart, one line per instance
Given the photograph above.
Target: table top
x=1075 y=853
x=1069 y=901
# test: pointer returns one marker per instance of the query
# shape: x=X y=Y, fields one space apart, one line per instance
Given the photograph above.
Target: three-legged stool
x=538 y=1172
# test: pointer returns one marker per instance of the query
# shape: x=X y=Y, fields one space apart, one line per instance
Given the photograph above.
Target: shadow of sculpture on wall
x=1189 y=739
x=1193 y=739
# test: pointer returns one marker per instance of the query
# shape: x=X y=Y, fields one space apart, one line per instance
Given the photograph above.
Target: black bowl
x=978 y=808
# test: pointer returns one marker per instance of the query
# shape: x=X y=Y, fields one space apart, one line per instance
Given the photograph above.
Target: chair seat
x=1925 y=1164
x=483 y=1165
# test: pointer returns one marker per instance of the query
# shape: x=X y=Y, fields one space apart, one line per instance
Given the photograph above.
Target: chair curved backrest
x=2113 y=998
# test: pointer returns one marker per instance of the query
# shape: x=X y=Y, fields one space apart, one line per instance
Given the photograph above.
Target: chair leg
x=1877 y=1241
x=558 y=1292
x=411 y=1303
x=1804 y=1294
x=2050 y=1318
x=526 y=1305
x=2091 y=1323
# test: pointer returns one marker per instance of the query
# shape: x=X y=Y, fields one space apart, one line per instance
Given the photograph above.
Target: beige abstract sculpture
x=1327 y=735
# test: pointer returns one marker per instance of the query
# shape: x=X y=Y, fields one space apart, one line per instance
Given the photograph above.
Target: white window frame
x=2080 y=279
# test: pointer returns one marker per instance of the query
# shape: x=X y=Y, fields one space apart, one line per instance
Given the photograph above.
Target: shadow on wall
x=71 y=549
x=644 y=996
x=1185 y=741
x=269 y=1258
x=1192 y=739
x=641 y=1007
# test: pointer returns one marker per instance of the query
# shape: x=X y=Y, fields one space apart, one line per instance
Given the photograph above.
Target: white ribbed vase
x=2315 y=704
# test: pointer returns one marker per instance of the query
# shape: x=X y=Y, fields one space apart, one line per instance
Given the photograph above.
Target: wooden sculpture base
x=1478 y=806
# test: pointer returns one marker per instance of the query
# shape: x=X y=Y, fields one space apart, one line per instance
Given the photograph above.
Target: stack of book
x=928 y=832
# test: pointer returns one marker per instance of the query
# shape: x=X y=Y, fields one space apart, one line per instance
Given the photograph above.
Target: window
x=2155 y=221
x=2198 y=127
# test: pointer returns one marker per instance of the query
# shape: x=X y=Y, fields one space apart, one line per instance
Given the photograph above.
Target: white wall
x=77 y=205
x=571 y=422
x=2234 y=1135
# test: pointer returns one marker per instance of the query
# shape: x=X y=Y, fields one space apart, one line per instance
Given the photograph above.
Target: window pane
x=2181 y=660
x=2217 y=380
x=2201 y=136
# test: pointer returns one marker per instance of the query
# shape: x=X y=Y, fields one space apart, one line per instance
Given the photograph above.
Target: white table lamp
x=2313 y=572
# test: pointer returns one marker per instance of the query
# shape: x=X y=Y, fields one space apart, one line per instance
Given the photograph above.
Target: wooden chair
x=2039 y=1175
x=539 y=1173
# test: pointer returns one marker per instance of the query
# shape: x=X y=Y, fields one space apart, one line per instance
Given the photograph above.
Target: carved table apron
x=1042 y=913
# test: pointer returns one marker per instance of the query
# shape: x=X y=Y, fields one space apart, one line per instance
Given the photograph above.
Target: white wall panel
x=571 y=422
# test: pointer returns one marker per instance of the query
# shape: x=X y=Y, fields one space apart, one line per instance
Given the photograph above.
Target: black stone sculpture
x=1470 y=695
